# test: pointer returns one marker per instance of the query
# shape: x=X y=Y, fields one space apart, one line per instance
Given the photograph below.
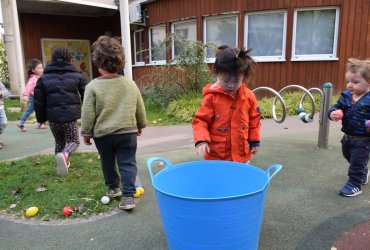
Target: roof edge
x=89 y=3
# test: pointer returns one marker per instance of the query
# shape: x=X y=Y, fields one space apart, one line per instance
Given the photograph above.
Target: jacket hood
x=58 y=66
x=210 y=89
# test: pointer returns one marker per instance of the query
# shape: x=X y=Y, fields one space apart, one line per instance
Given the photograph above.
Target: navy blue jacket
x=58 y=93
x=355 y=115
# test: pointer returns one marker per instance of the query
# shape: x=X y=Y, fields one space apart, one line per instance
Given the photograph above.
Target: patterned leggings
x=66 y=136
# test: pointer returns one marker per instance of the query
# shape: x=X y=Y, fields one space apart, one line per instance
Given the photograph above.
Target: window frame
x=141 y=63
x=158 y=62
x=173 y=31
x=280 y=58
x=205 y=19
x=317 y=57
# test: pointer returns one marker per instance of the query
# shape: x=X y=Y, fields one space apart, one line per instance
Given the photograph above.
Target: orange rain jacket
x=228 y=124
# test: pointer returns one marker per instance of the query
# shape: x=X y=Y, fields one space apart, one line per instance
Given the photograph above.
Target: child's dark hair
x=31 y=65
x=61 y=54
x=235 y=61
x=108 y=54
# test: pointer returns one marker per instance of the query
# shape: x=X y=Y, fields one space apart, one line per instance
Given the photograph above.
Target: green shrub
x=185 y=73
x=291 y=101
x=185 y=107
x=4 y=72
x=156 y=117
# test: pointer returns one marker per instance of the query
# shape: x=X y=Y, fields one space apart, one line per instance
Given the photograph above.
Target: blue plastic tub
x=211 y=204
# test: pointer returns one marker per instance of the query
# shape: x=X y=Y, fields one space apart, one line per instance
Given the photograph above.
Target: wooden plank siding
x=353 y=36
x=37 y=26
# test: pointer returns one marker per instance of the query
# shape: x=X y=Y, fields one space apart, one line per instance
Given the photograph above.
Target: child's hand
x=87 y=140
x=201 y=149
x=254 y=150
x=25 y=98
x=139 y=132
x=336 y=115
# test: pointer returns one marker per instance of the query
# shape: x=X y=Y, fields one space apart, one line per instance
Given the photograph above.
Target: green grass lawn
x=21 y=180
x=83 y=188
x=155 y=117
x=11 y=113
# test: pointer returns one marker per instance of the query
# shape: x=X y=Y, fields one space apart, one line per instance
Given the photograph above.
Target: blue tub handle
x=150 y=161
x=274 y=169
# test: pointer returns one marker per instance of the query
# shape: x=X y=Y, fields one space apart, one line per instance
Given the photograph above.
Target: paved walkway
x=302 y=210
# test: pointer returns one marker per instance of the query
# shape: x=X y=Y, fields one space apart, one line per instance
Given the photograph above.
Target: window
x=183 y=32
x=157 y=38
x=265 y=35
x=315 y=34
x=221 y=30
x=139 y=47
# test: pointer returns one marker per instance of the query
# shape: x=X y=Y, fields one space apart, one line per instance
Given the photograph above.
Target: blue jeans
x=3 y=120
x=121 y=149
x=356 y=153
x=28 y=111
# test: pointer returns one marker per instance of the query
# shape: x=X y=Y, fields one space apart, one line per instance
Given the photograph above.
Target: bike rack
x=278 y=96
x=325 y=102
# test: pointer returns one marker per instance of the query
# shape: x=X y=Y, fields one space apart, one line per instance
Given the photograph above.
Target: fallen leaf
x=16 y=191
x=41 y=189
x=45 y=218
x=80 y=208
x=13 y=206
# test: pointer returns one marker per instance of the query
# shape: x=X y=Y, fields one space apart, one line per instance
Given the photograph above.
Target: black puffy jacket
x=58 y=93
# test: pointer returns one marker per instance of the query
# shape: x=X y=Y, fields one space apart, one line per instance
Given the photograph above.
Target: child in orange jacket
x=227 y=125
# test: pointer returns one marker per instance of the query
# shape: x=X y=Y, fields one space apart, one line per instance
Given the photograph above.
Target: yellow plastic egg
x=137 y=194
x=140 y=190
x=32 y=211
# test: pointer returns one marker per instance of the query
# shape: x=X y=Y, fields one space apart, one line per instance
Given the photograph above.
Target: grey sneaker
x=115 y=192
x=127 y=203
x=62 y=164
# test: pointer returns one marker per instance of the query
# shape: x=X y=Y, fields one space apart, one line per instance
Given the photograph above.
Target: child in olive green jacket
x=113 y=114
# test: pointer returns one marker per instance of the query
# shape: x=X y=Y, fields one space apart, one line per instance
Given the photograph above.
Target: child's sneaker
x=350 y=190
x=23 y=129
x=62 y=164
x=127 y=203
x=114 y=192
x=366 y=179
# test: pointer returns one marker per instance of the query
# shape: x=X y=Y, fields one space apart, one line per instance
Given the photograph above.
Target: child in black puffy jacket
x=57 y=98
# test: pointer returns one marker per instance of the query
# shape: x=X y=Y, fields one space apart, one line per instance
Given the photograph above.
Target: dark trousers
x=356 y=153
x=120 y=149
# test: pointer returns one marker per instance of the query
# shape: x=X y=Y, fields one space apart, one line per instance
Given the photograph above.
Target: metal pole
x=13 y=46
x=125 y=36
x=324 y=119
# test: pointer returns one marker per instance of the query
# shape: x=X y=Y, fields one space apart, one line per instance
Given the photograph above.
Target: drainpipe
x=12 y=40
x=125 y=35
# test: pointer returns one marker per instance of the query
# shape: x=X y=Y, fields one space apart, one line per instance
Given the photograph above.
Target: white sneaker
x=62 y=164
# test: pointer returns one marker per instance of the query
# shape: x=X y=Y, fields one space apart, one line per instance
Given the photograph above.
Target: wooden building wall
x=353 y=40
x=37 y=26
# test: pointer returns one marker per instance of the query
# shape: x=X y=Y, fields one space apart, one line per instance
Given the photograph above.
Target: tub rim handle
x=150 y=161
x=274 y=169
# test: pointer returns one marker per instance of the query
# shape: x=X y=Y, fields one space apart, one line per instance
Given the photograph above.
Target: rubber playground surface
x=302 y=209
